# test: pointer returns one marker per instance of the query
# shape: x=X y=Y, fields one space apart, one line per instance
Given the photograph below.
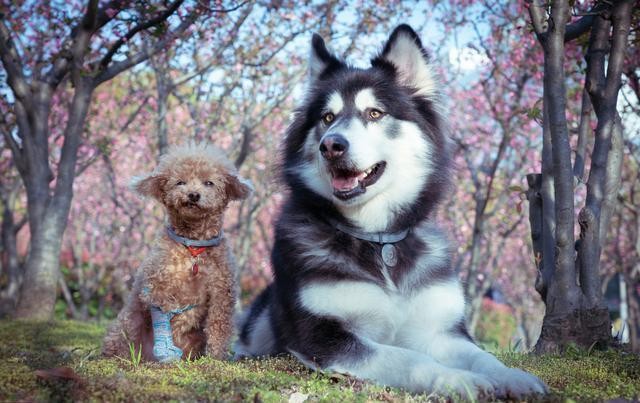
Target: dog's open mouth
x=349 y=183
x=191 y=204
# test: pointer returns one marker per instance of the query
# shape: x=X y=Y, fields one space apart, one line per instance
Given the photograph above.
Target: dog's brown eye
x=181 y=183
x=375 y=114
x=328 y=118
x=208 y=183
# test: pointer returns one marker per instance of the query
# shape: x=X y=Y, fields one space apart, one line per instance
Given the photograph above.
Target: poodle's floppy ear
x=150 y=186
x=237 y=187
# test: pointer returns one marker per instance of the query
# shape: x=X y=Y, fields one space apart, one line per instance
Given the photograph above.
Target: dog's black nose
x=194 y=197
x=333 y=146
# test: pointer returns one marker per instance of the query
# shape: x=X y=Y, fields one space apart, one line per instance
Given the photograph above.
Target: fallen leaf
x=59 y=373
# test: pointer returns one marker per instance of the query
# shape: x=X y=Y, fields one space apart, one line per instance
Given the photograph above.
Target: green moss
x=584 y=375
x=28 y=347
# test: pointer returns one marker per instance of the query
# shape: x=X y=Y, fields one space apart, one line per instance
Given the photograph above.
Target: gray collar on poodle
x=198 y=243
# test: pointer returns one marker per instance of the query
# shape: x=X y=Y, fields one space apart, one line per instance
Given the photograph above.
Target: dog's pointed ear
x=411 y=61
x=320 y=59
x=150 y=186
x=238 y=188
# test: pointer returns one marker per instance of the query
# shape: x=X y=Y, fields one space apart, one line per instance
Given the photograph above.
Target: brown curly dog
x=182 y=300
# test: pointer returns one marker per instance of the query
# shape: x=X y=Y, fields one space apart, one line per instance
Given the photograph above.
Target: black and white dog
x=363 y=283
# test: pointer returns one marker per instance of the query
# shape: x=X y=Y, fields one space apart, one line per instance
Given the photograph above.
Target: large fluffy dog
x=363 y=283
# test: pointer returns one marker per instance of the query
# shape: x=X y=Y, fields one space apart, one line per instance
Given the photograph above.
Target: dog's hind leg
x=256 y=337
x=128 y=331
x=131 y=329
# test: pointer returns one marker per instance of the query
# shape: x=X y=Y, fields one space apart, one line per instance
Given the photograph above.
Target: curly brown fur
x=167 y=272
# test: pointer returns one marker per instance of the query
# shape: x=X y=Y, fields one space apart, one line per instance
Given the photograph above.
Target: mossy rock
x=67 y=354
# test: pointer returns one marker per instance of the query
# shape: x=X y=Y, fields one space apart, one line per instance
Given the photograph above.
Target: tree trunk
x=472 y=288
x=634 y=312
x=32 y=92
x=163 y=85
x=613 y=179
x=575 y=310
x=536 y=222
x=39 y=288
x=38 y=293
x=10 y=262
x=542 y=218
x=563 y=297
x=476 y=307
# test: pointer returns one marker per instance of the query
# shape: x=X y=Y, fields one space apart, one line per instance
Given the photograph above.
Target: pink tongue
x=349 y=183
x=344 y=183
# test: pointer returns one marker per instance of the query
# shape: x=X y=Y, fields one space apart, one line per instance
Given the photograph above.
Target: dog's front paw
x=462 y=384
x=515 y=383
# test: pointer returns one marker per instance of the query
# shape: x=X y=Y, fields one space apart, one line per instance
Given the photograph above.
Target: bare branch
x=583 y=25
x=245 y=147
x=160 y=18
x=538 y=19
x=66 y=293
x=573 y=30
x=98 y=154
x=633 y=79
x=621 y=26
x=62 y=60
x=578 y=28
x=203 y=5
x=16 y=151
x=598 y=48
x=12 y=64
x=118 y=67
x=83 y=33
x=266 y=60
x=230 y=38
x=583 y=136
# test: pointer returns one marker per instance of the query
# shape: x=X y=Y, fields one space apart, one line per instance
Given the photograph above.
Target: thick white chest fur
x=387 y=315
x=411 y=339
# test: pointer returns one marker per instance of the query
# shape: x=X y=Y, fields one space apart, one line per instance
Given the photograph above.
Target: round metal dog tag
x=389 y=255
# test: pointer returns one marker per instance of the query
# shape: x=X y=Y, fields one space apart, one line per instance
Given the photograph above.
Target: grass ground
x=61 y=361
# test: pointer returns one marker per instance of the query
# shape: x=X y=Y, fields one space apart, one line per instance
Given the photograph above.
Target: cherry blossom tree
x=494 y=116
x=48 y=52
x=569 y=280
x=218 y=85
x=212 y=80
x=488 y=183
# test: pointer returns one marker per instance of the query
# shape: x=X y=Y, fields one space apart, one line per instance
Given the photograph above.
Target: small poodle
x=183 y=297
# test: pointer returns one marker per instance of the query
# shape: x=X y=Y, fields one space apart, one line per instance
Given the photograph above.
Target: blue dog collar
x=204 y=243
